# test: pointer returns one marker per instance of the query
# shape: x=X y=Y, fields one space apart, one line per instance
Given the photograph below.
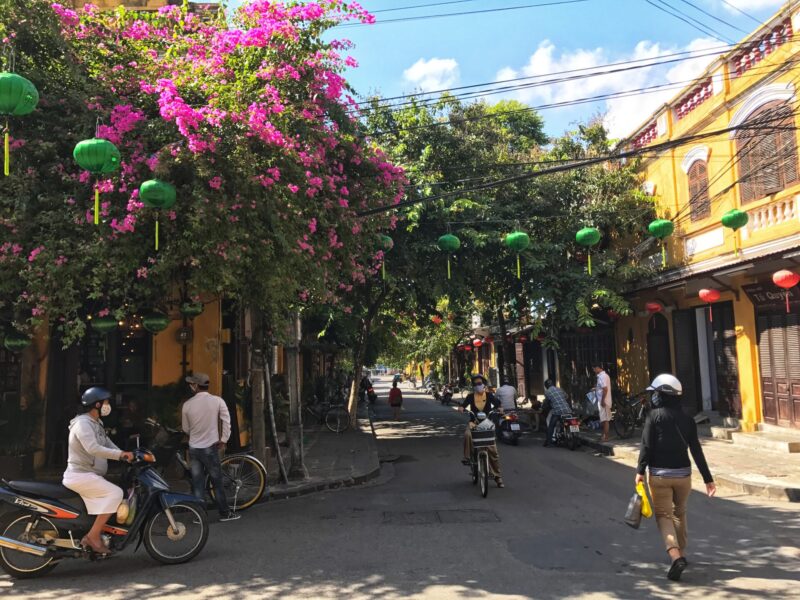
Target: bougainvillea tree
x=247 y=115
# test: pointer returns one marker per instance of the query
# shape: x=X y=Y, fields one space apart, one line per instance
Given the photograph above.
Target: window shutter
x=745 y=168
x=787 y=148
x=768 y=174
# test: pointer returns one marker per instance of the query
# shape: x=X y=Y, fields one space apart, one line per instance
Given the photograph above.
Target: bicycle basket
x=481 y=439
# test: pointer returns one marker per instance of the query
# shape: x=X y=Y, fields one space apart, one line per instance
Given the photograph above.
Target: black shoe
x=229 y=516
x=465 y=461
x=676 y=570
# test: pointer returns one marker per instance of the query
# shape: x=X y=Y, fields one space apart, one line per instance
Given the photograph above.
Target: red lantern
x=477 y=343
x=522 y=339
x=468 y=348
x=654 y=307
x=786 y=279
x=489 y=340
x=709 y=296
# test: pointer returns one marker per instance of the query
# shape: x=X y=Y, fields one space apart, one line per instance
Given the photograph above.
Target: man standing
x=206 y=421
x=556 y=404
x=603 y=392
x=507 y=394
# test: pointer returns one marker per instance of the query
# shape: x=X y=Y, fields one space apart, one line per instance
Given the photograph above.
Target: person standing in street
x=507 y=394
x=395 y=400
x=603 y=392
x=206 y=421
x=668 y=435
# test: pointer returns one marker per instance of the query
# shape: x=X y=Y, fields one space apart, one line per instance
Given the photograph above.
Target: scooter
x=566 y=431
x=509 y=428
x=446 y=395
x=49 y=520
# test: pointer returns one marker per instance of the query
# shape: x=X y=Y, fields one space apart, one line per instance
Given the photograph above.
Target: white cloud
x=751 y=4
x=433 y=74
x=622 y=115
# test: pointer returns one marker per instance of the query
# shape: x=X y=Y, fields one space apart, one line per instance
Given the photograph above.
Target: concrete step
x=777 y=442
x=723 y=433
x=767 y=428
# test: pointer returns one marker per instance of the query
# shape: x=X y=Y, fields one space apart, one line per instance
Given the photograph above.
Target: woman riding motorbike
x=87 y=463
x=481 y=400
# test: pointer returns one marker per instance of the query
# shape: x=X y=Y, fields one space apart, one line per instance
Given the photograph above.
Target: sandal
x=499 y=482
x=465 y=461
x=87 y=545
x=676 y=570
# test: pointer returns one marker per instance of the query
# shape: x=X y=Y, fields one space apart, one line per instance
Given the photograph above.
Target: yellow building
x=737 y=124
x=136 y=4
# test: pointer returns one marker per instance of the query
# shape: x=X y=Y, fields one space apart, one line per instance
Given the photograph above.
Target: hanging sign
x=766 y=296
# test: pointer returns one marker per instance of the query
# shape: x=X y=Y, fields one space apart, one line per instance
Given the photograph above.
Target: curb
x=729 y=482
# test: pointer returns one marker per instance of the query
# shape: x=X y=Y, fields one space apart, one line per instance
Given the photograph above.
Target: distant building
x=135 y=4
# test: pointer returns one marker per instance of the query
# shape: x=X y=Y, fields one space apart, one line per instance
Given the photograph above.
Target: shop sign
x=766 y=296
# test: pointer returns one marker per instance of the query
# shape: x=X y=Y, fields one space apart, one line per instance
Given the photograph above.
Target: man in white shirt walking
x=207 y=422
x=603 y=391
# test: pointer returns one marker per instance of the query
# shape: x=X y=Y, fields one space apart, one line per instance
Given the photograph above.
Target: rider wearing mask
x=87 y=463
x=481 y=400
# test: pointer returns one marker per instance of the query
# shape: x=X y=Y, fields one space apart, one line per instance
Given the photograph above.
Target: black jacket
x=668 y=431
x=492 y=403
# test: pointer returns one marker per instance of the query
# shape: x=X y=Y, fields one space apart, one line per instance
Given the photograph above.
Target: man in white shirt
x=507 y=394
x=207 y=422
x=603 y=391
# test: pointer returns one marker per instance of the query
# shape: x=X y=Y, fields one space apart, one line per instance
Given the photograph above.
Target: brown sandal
x=87 y=544
x=499 y=482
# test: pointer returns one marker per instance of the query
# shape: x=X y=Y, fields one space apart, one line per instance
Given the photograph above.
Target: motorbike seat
x=40 y=488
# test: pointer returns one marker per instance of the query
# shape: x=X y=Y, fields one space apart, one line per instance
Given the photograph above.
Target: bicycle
x=244 y=477
x=335 y=416
x=629 y=414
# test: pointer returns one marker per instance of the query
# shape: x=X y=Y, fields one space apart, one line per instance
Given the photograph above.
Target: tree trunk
x=273 y=428
x=359 y=352
x=505 y=359
x=257 y=377
x=294 y=432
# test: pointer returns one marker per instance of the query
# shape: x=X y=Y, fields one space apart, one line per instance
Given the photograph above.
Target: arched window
x=767 y=151
x=699 y=205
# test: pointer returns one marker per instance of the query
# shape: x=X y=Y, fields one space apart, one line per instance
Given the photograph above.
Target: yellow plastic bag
x=647 y=510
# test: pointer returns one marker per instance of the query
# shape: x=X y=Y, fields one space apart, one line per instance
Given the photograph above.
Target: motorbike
x=48 y=520
x=446 y=395
x=566 y=431
x=509 y=428
x=483 y=437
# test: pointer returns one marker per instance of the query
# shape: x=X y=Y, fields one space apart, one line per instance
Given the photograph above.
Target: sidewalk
x=744 y=470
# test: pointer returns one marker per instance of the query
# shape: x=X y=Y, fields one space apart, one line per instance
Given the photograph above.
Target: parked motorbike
x=509 y=428
x=566 y=431
x=49 y=520
x=446 y=395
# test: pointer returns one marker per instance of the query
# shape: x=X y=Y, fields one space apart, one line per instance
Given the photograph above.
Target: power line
x=746 y=14
x=431 y=5
x=687 y=19
x=716 y=18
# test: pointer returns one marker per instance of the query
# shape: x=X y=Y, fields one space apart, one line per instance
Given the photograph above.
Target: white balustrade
x=770 y=215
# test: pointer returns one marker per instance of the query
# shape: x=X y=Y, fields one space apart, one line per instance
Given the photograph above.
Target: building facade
x=736 y=139
x=135 y=4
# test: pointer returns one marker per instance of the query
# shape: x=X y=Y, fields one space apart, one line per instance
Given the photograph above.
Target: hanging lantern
x=468 y=347
x=654 y=307
x=450 y=244
x=709 y=296
x=190 y=310
x=16 y=342
x=386 y=244
x=735 y=219
x=786 y=279
x=99 y=157
x=588 y=237
x=104 y=324
x=157 y=194
x=18 y=97
x=518 y=241
x=477 y=343
x=661 y=229
x=155 y=322
x=522 y=339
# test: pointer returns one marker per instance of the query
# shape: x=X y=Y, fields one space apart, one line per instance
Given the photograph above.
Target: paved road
x=423 y=531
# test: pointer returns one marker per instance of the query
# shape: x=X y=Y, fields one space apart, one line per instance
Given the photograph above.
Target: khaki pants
x=670 y=496
x=494 y=457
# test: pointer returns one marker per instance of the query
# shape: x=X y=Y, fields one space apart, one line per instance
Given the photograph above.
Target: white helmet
x=666 y=384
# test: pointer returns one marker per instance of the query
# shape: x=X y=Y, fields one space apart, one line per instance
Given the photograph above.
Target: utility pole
x=297 y=470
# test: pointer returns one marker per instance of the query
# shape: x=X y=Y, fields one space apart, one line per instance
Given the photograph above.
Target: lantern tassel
x=519 y=270
x=6 y=153
x=710 y=314
x=96 y=205
x=156 y=234
x=448 y=267
x=787 y=302
x=590 y=262
x=663 y=255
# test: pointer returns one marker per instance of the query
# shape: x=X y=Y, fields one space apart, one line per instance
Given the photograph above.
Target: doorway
x=659 y=352
x=779 y=359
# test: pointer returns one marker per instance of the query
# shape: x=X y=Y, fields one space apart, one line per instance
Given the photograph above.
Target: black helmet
x=475 y=376
x=94 y=395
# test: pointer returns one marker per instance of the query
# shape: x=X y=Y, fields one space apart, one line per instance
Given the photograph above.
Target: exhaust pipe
x=22 y=546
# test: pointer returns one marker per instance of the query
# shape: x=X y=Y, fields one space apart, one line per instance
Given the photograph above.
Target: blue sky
x=435 y=53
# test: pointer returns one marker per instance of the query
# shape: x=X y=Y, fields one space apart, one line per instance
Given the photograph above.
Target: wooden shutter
x=769 y=402
x=768 y=171
x=698 y=190
x=744 y=157
x=684 y=326
x=787 y=147
x=724 y=330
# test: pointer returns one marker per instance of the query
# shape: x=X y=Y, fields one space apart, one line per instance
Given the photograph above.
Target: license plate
x=574 y=428
x=515 y=427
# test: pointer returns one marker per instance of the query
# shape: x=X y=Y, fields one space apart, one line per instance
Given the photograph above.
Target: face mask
x=479 y=388
x=105 y=410
x=655 y=399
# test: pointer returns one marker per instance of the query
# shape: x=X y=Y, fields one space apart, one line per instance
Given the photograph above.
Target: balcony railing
x=773 y=214
x=756 y=51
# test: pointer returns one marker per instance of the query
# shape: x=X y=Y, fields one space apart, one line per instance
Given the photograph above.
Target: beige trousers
x=494 y=456
x=670 y=496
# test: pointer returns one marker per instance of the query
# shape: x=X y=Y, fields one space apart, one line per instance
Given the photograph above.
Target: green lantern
x=16 y=342
x=386 y=244
x=660 y=229
x=518 y=241
x=190 y=310
x=99 y=157
x=104 y=324
x=588 y=237
x=157 y=194
x=449 y=243
x=155 y=322
x=18 y=97
x=735 y=219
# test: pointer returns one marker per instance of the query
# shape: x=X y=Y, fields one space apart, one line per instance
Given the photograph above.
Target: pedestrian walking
x=395 y=400
x=668 y=434
x=207 y=422
x=603 y=393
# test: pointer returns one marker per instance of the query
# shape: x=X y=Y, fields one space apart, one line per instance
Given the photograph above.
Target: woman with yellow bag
x=668 y=436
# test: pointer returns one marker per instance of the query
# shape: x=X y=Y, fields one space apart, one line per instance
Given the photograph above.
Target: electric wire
x=716 y=18
x=746 y=14
x=429 y=5
x=686 y=19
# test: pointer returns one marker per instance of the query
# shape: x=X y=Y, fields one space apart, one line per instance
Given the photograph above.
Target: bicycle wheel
x=483 y=472
x=337 y=419
x=245 y=481
x=623 y=425
x=473 y=467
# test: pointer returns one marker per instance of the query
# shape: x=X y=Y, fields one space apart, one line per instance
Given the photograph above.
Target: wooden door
x=726 y=361
x=779 y=360
x=684 y=325
x=659 y=354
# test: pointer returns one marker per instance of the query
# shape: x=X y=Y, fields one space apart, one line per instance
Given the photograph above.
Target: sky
x=435 y=53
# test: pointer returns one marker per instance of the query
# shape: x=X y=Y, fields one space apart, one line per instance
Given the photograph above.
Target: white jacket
x=89 y=446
